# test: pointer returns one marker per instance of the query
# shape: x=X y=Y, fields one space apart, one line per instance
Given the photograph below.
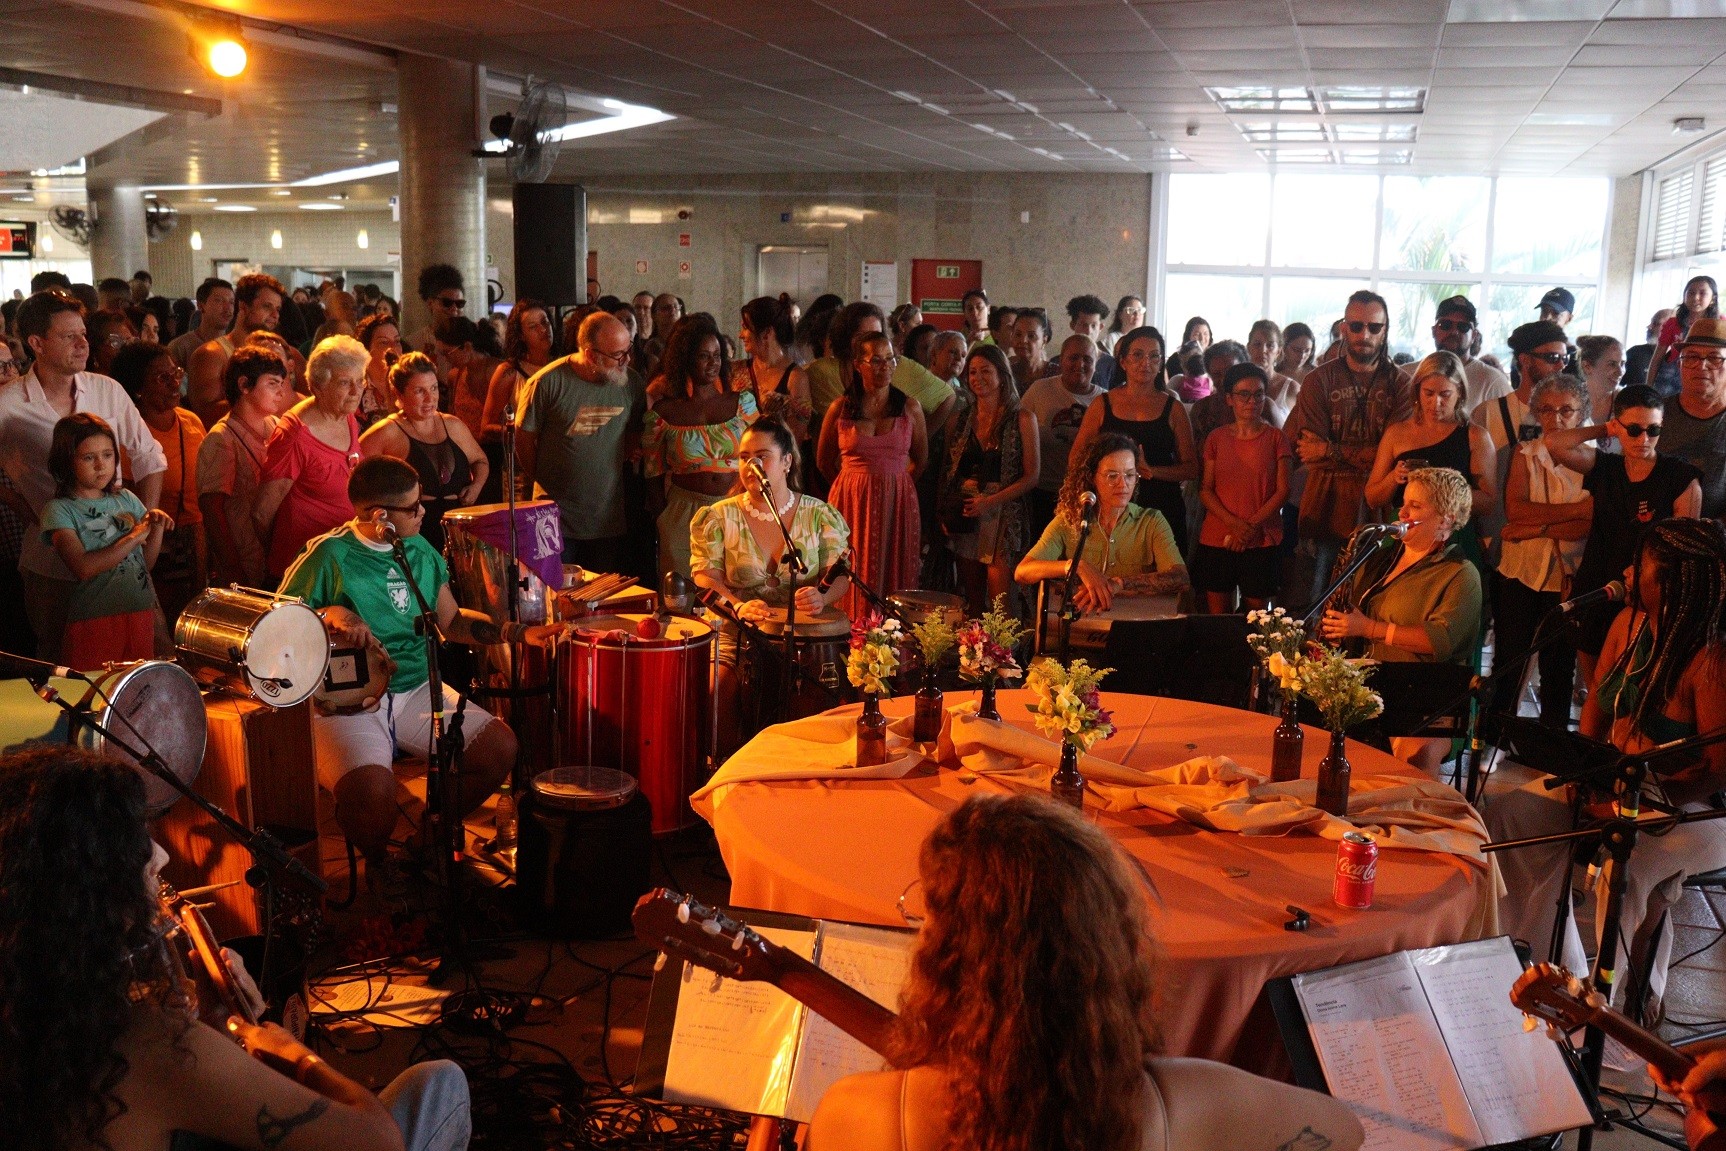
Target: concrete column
x=121 y=244
x=442 y=183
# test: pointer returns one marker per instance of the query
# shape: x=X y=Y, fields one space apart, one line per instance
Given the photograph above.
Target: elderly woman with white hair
x=1419 y=602
x=303 y=489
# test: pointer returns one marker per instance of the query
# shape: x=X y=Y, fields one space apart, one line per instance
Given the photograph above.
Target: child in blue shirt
x=108 y=539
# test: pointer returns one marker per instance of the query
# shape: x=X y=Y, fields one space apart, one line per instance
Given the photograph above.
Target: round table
x=847 y=850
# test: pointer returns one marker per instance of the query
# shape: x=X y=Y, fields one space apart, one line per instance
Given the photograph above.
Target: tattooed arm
x=1207 y=1103
x=281 y=1097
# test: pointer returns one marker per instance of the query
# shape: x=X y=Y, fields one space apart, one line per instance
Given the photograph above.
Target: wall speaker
x=551 y=243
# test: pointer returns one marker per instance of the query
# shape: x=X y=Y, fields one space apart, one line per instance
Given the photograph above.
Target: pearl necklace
x=768 y=517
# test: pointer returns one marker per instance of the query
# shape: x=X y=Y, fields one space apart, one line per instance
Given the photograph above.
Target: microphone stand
x=1617 y=838
x=443 y=779
x=1069 y=611
x=791 y=676
x=1358 y=562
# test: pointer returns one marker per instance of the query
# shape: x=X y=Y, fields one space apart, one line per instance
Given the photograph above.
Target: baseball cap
x=1706 y=332
x=1457 y=306
x=1531 y=336
x=1559 y=300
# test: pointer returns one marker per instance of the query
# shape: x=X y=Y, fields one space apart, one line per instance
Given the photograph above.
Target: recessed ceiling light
x=320 y=206
x=1264 y=98
x=234 y=208
x=1361 y=158
x=204 y=200
x=1278 y=131
x=1360 y=133
x=1297 y=155
x=1689 y=124
x=281 y=192
x=1372 y=98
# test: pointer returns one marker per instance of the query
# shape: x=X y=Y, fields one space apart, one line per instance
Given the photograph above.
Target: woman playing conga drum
x=738 y=551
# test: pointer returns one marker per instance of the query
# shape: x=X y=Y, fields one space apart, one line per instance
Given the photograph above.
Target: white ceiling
x=1573 y=87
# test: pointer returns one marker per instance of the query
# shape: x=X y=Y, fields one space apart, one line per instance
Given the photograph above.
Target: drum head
x=584 y=788
x=152 y=703
x=677 y=630
x=829 y=622
x=473 y=513
x=915 y=602
x=287 y=654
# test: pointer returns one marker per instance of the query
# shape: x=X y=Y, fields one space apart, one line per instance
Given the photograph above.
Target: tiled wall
x=309 y=240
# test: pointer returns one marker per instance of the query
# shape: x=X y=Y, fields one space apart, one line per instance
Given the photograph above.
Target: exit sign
x=946 y=271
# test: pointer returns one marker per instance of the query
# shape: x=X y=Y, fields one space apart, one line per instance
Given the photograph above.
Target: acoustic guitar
x=684 y=928
x=1552 y=994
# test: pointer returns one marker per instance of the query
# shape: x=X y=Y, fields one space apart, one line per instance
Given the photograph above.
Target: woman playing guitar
x=100 y=1043
x=1027 y=1019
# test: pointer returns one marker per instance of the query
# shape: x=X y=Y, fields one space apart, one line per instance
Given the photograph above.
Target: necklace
x=772 y=515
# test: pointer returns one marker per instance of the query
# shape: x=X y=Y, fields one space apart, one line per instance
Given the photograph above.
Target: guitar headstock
x=685 y=928
x=1553 y=995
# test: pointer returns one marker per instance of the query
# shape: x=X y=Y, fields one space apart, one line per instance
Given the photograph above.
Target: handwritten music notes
x=1427 y=1049
x=750 y=1047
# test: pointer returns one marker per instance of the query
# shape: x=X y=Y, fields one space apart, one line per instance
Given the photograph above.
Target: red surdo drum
x=642 y=704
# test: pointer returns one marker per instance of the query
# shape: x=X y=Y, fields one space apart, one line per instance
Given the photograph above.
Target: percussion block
x=569 y=605
x=257 y=768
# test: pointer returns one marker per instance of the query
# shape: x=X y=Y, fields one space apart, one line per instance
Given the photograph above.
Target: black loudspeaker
x=551 y=243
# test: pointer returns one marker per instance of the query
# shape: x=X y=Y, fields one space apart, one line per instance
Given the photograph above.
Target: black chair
x=1413 y=695
x=1204 y=658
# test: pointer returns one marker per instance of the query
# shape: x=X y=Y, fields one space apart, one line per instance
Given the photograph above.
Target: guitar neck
x=1673 y=1063
x=840 y=1004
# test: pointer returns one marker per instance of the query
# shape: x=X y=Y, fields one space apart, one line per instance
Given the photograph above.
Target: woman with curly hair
x=1027 y=1021
x=101 y=1043
x=991 y=464
x=1130 y=550
x=694 y=425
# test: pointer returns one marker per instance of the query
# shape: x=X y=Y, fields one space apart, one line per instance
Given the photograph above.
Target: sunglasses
x=1453 y=325
x=412 y=509
x=1635 y=431
x=455 y=302
x=1359 y=326
x=1553 y=358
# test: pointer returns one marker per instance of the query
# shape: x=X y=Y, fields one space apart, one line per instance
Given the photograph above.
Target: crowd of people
x=276 y=440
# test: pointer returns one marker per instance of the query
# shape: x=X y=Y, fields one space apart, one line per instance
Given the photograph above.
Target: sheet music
x=733 y=1045
x=1384 y=1056
x=1517 y=1082
x=873 y=960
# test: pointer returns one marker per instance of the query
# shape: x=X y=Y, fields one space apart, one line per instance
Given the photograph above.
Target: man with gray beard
x=578 y=423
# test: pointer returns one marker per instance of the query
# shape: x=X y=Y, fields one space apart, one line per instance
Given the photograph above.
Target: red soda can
x=1356 y=870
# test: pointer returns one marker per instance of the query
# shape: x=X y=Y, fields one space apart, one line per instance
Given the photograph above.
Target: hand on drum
x=757 y=610
x=345 y=626
x=810 y=601
x=1094 y=592
x=1344 y=625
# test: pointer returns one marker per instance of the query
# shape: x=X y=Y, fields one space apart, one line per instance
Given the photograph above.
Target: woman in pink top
x=304 y=488
x=873 y=446
x=1246 y=482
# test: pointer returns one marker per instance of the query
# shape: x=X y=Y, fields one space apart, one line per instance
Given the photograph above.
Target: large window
x=1684 y=234
x=1293 y=247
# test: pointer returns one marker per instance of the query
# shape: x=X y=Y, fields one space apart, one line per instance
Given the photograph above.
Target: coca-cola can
x=1356 y=870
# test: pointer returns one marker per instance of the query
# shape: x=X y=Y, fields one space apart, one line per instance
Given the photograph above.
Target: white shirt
x=1485 y=382
x=27 y=422
x=1543 y=563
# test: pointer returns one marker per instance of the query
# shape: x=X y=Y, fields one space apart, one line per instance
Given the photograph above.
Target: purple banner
x=538 y=538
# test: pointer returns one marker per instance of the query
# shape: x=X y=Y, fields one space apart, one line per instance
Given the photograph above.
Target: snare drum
x=644 y=706
x=272 y=648
x=916 y=606
x=823 y=645
x=154 y=705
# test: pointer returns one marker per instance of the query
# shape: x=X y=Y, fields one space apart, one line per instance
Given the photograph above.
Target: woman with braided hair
x=1663 y=678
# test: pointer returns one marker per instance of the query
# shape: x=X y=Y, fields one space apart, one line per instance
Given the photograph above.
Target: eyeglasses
x=912 y=918
x=455 y=302
x=1565 y=412
x=1634 y=431
x=1703 y=363
x=621 y=359
x=1553 y=358
x=1453 y=325
x=1255 y=395
x=1142 y=354
x=881 y=363
x=1359 y=326
x=1118 y=477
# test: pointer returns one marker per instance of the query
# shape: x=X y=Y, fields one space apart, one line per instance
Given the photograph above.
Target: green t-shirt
x=1140 y=543
x=827 y=384
x=120 y=590
x=340 y=568
x=581 y=429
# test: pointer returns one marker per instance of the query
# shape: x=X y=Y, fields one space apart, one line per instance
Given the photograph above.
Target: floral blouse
x=680 y=450
x=720 y=540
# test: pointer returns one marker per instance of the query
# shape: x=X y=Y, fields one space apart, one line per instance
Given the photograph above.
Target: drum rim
x=587 y=637
x=231 y=675
x=124 y=673
x=630 y=788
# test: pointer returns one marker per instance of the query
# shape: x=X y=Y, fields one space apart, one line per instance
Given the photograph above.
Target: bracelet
x=1390 y=635
x=304 y=1064
x=514 y=632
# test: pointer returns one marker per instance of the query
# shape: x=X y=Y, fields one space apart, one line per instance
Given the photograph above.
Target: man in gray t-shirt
x=1695 y=422
x=1059 y=403
x=576 y=423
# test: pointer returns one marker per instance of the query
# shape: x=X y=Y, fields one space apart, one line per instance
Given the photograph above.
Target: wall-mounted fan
x=530 y=131
x=159 y=218
x=76 y=224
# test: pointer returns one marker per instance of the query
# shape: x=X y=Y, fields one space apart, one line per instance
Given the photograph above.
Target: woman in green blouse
x=1130 y=551
x=737 y=550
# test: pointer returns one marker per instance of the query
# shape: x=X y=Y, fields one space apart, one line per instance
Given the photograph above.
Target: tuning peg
x=718 y=982
x=710 y=926
x=737 y=942
x=1529 y=1022
x=659 y=962
x=683 y=912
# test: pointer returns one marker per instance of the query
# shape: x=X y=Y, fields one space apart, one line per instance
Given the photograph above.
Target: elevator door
x=800 y=271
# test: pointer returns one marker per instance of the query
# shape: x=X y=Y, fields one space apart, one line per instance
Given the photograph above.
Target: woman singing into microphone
x=1130 y=549
x=1418 y=603
x=737 y=550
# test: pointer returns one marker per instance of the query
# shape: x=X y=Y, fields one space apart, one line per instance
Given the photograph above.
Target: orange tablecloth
x=847 y=849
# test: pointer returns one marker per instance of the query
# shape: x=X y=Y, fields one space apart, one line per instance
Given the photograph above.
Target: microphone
x=718 y=604
x=840 y=567
x=754 y=468
x=382 y=519
x=44 y=669
x=1613 y=592
x=1087 y=506
x=1396 y=529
